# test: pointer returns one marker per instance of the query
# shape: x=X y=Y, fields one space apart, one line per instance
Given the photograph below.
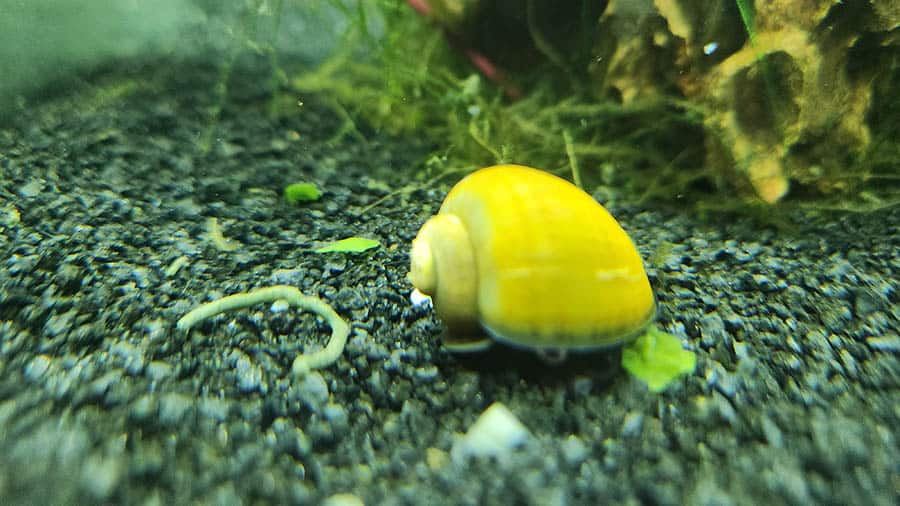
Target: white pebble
x=495 y=434
x=343 y=500
x=37 y=367
x=418 y=298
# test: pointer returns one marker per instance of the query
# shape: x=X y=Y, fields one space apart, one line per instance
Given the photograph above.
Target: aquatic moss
x=401 y=73
x=414 y=82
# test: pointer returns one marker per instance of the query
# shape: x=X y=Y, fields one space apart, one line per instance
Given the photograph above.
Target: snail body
x=533 y=261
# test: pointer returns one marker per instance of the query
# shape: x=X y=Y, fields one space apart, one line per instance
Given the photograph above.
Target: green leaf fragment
x=657 y=359
x=301 y=192
x=350 y=245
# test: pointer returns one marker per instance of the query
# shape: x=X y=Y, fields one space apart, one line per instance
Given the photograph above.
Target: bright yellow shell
x=552 y=268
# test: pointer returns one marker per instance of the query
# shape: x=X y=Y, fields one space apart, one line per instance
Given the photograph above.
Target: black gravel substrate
x=103 y=203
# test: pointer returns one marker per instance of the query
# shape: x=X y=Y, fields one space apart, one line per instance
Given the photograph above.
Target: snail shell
x=534 y=261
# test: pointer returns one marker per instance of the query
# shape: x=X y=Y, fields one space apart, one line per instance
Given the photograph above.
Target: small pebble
x=886 y=343
x=37 y=367
x=496 y=433
x=574 y=451
x=343 y=500
x=312 y=390
x=100 y=476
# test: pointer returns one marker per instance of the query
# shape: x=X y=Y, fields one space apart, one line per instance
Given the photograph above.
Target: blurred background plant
x=663 y=99
x=417 y=76
x=731 y=105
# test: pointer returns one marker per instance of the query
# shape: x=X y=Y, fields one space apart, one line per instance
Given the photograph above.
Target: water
x=144 y=152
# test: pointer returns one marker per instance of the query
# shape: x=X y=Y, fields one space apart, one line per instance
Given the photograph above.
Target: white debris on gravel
x=419 y=299
x=343 y=500
x=495 y=434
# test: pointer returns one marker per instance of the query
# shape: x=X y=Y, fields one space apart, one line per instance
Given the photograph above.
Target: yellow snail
x=532 y=260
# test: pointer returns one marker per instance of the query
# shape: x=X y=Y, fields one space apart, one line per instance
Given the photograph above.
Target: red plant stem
x=420 y=6
x=481 y=62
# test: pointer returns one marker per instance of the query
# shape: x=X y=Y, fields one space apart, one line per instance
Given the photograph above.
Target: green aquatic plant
x=303 y=363
x=395 y=71
x=745 y=8
x=350 y=245
x=296 y=193
x=410 y=79
x=657 y=359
